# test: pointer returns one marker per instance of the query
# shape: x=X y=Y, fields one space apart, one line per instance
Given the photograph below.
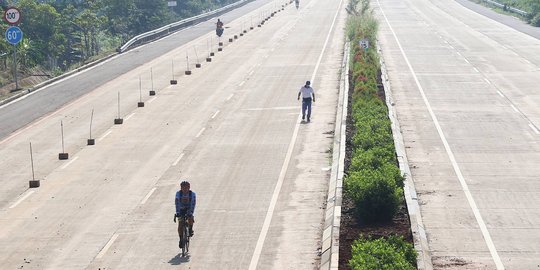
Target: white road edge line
x=200 y=133
x=152 y=99
x=67 y=164
x=178 y=159
x=500 y=94
x=129 y=116
x=514 y=108
x=148 y=195
x=534 y=129
x=464 y=186
x=105 y=135
x=107 y=246
x=22 y=199
x=215 y=114
x=277 y=189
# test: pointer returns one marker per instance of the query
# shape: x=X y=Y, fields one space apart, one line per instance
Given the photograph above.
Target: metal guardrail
x=507 y=8
x=142 y=38
x=170 y=28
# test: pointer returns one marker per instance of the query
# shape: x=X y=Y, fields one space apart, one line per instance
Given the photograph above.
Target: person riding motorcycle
x=185 y=201
x=219 y=28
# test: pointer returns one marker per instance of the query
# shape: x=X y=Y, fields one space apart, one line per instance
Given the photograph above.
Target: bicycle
x=184 y=238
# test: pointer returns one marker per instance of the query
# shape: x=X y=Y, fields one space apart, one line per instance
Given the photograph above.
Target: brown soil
x=350 y=228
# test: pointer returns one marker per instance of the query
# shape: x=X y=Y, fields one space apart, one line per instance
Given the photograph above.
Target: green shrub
x=382 y=254
x=373 y=158
x=376 y=197
x=535 y=21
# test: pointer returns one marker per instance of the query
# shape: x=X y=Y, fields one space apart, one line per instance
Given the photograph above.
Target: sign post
x=14 y=35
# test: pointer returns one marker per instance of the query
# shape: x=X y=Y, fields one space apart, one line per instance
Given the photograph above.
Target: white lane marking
x=534 y=129
x=466 y=60
x=273 y=201
x=215 y=114
x=230 y=96
x=148 y=195
x=277 y=189
x=500 y=93
x=457 y=170
x=242 y=83
x=152 y=99
x=22 y=198
x=178 y=159
x=129 y=116
x=272 y=108
x=475 y=69
x=107 y=246
x=527 y=61
x=514 y=108
x=105 y=135
x=200 y=133
x=485 y=79
x=67 y=164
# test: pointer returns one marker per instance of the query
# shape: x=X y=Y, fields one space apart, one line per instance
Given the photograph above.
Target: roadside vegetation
x=374 y=205
x=60 y=35
x=532 y=7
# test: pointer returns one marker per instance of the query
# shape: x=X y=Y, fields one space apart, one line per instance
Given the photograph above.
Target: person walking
x=308 y=95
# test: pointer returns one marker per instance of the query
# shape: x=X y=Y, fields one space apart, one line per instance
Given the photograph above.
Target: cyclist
x=306 y=92
x=185 y=200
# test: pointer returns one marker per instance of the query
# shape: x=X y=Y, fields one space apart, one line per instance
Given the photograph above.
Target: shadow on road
x=178 y=259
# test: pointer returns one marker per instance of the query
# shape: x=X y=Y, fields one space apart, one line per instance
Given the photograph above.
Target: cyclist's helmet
x=184 y=183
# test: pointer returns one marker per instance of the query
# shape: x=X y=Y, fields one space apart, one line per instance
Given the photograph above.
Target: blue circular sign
x=14 y=35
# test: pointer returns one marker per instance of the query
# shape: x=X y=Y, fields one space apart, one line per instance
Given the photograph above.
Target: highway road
x=232 y=129
x=465 y=88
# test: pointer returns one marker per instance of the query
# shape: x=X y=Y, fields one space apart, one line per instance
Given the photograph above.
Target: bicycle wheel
x=186 y=233
x=183 y=238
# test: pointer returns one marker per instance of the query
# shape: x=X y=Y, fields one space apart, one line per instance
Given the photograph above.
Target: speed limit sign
x=12 y=15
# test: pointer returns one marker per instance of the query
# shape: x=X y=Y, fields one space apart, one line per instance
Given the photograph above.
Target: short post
x=208 y=59
x=91 y=141
x=173 y=81
x=63 y=155
x=198 y=65
x=141 y=103
x=188 y=72
x=118 y=121
x=33 y=183
x=152 y=92
x=211 y=47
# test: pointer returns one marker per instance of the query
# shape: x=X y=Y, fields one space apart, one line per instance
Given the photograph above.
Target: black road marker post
x=208 y=59
x=141 y=103
x=90 y=140
x=173 y=81
x=211 y=47
x=118 y=121
x=198 y=65
x=152 y=92
x=33 y=183
x=63 y=155
x=188 y=72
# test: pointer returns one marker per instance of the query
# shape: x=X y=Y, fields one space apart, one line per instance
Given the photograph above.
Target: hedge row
x=373 y=181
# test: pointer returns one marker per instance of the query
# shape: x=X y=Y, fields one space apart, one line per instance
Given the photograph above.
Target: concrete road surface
x=232 y=129
x=466 y=91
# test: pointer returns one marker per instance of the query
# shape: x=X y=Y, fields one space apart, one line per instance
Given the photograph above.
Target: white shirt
x=306 y=92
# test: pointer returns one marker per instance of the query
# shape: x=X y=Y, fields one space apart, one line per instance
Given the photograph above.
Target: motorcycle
x=219 y=31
